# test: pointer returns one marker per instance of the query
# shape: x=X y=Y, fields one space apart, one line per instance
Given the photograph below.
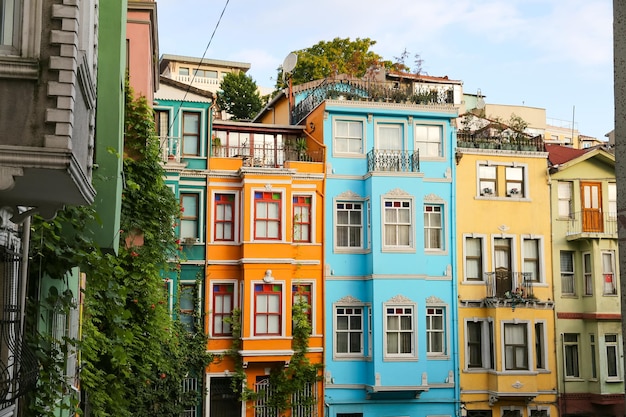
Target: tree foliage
x=339 y=56
x=134 y=355
x=239 y=96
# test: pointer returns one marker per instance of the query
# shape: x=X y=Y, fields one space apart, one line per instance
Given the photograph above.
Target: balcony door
x=502 y=259
x=591 y=195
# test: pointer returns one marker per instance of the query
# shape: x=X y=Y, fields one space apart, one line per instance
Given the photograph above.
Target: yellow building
x=506 y=313
x=265 y=253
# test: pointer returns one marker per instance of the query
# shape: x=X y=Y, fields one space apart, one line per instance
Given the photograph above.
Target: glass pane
x=342 y=323
x=355 y=322
x=406 y=323
x=405 y=343
x=273 y=325
x=342 y=342
x=392 y=323
x=188 y=228
x=273 y=302
x=355 y=342
x=261 y=325
x=392 y=343
x=261 y=210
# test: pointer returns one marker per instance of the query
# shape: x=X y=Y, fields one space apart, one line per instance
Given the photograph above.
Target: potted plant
x=513 y=191
x=487 y=191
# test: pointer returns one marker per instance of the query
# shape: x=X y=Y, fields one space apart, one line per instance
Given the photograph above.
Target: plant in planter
x=487 y=191
x=513 y=191
x=216 y=144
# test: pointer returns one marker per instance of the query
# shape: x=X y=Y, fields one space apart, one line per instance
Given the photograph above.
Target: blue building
x=390 y=296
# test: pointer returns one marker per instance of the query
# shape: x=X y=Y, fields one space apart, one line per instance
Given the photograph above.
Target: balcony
x=592 y=224
x=379 y=160
x=267 y=155
x=509 y=143
x=170 y=148
x=358 y=89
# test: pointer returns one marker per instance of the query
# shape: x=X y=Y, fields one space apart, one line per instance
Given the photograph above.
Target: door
x=591 y=196
x=504 y=276
x=223 y=401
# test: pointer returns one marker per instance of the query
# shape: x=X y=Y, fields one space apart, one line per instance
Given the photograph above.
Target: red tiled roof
x=558 y=154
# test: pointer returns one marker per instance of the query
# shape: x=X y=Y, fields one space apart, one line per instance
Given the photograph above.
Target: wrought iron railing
x=369 y=90
x=267 y=155
x=507 y=284
x=393 y=161
x=592 y=222
x=503 y=142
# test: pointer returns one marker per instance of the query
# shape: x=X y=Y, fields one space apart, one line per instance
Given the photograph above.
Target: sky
x=552 y=54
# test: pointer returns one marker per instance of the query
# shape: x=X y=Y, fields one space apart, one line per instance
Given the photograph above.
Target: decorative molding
x=348 y=299
x=517 y=385
x=397 y=192
x=434 y=300
x=433 y=198
x=399 y=299
x=348 y=194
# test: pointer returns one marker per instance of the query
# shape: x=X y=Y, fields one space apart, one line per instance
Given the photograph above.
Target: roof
x=558 y=154
x=423 y=77
x=177 y=85
x=166 y=58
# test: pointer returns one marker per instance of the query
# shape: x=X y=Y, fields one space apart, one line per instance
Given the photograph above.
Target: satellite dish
x=289 y=64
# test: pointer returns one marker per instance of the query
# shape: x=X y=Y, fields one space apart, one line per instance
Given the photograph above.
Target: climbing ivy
x=134 y=355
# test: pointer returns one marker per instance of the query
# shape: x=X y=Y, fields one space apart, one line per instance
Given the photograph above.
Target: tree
x=239 y=96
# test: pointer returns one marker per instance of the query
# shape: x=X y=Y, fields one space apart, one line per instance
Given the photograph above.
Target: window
x=570 y=347
x=191 y=133
x=301 y=293
x=223 y=299
x=568 y=286
x=9 y=25
x=608 y=273
x=592 y=347
x=587 y=274
x=479 y=339
x=399 y=330
x=479 y=413
x=224 y=217
x=612 y=197
x=183 y=71
x=565 y=199
x=532 y=265
x=539 y=413
x=514 y=181
x=435 y=331
x=428 y=140
x=515 y=346
x=511 y=413
x=267 y=309
x=267 y=215
x=487 y=180
x=187 y=305
x=540 y=346
x=162 y=119
x=433 y=227
x=349 y=225
x=397 y=223
x=189 y=216
x=348 y=136
x=610 y=340
x=349 y=331
x=473 y=258
x=302 y=218
x=390 y=137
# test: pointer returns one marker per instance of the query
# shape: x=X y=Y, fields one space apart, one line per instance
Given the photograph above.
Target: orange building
x=264 y=227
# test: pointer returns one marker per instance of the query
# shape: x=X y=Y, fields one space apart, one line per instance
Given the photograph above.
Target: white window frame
x=365 y=328
x=565 y=192
x=411 y=224
x=413 y=331
x=609 y=288
x=351 y=249
x=576 y=345
x=512 y=184
x=445 y=354
x=540 y=258
x=282 y=220
x=427 y=142
x=567 y=275
x=528 y=345
x=594 y=360
x=236 y=219
x=387 y=124
x=235 y=301
x=348 y=153
x=487 y=343
x=614 y=345
x=442 y=228
x=483 y=258
x=487 y=184
x=588 y=281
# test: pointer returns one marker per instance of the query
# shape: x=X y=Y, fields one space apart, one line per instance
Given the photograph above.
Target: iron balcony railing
x=507 y=284
x=591 y=222
x=267 y=155
x=368 y=90
x=503 y=142
x=393 y=161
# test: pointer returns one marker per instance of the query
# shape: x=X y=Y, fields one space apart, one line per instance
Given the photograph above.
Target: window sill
x=614 y=381
x=400 y=359
x=438 y=357
x=609 y=295
x=573 y=379
x=389 y=249
x=351 y=251
x=353 y=155
x=351 y=358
